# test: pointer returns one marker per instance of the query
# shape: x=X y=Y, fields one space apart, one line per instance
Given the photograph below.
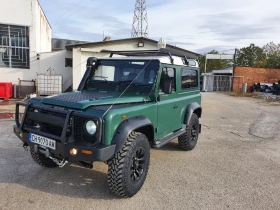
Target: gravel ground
x=236 y=165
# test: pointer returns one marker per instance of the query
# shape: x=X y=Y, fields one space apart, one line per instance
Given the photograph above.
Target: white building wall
x=16 y=12
x=41 y=29
x=80 y=56
x=29 y=13
x=53 y=60
x=56 y=62
x=78 y=65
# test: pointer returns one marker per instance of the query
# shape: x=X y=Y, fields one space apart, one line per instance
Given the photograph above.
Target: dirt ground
x=235 y=165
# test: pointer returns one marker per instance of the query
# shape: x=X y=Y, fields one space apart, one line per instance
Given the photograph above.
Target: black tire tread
x=183 y=140
x=116 y=167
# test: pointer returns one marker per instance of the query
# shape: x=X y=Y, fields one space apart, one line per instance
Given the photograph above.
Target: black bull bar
x=51 y=119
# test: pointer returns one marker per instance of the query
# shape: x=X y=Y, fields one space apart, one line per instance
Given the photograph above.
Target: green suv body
x=123 y=106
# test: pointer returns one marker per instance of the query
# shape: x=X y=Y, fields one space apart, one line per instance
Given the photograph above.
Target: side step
x=165 y=140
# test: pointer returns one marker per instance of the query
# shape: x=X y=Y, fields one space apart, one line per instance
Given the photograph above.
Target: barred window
x=14 y=46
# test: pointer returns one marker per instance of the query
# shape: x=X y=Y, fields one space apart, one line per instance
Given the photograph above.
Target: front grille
x=80 y=133
x=48 y=128
x=35 y=123
x=50 y=123
x=53 y=113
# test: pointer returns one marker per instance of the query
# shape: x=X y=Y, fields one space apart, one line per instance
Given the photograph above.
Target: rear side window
x=189 y=78
x=168 y=73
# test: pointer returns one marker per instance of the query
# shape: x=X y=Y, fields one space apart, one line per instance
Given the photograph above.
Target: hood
x=83 y=99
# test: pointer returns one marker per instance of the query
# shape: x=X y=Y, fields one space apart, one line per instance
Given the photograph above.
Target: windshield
x=117 y=75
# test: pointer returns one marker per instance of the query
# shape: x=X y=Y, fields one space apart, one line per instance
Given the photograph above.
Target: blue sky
x=200 y=25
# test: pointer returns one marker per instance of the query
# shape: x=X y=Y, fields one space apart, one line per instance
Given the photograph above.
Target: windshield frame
x=124 y=82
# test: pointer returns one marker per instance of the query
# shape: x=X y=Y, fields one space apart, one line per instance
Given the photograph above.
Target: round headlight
x=91 y=127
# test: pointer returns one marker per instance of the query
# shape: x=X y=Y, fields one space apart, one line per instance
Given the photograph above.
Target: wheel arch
x=140 y=124
x=192 y=108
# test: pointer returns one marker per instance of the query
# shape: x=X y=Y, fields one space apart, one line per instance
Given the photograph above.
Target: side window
x=189 y=78
x=168 y=73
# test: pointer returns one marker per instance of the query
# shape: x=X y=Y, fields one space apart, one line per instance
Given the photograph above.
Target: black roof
x=60 y=44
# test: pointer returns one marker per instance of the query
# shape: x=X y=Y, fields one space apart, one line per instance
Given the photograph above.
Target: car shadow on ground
x=17 y=167
x=71 y=180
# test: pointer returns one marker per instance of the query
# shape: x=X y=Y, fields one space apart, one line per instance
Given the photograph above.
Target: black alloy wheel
x=138 y=163
x=188 y=140
x=128 y=168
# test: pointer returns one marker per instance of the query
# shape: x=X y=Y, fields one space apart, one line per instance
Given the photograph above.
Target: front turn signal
x=87 y=152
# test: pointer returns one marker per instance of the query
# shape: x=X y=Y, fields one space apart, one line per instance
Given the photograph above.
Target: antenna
x=140 y=20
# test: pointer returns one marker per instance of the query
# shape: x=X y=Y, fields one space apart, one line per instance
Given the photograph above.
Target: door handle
x=175 y=107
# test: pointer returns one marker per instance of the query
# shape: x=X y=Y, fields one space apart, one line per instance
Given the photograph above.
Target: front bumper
x=96 y=152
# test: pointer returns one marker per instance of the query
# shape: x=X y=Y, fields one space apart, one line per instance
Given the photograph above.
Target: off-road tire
x=120 y=167
x=187 y=141
x=41 y=159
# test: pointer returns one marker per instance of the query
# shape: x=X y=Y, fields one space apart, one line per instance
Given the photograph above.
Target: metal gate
x=222 y=83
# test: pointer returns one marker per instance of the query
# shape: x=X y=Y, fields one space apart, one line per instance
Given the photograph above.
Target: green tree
x=272 y=52
x=252 y=56
x=213 y=64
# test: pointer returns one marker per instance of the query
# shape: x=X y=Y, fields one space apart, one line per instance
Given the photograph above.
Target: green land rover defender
x=124 y=105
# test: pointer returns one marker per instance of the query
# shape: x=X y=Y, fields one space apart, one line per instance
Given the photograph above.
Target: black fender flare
x=191 y=108
x=126 y=127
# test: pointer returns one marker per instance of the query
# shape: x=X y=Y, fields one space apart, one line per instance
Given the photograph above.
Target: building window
x=189 y=79
x=14 y=46
x=68 y=62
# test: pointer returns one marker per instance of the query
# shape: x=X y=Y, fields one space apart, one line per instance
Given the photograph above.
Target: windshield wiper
x=102 y=77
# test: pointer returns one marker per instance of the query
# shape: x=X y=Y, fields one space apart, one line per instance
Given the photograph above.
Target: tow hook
x=60 y=163
x=25 y=145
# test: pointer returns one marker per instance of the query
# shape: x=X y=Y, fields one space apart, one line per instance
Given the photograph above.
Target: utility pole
x=140 y=20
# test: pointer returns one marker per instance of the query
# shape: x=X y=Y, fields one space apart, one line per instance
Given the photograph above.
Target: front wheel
x=128 y=169
x=188 y=140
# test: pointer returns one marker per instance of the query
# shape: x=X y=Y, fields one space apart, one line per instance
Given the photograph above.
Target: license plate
x=41 y=140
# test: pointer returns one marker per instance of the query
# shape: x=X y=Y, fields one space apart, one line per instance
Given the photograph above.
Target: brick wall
x=255 y=75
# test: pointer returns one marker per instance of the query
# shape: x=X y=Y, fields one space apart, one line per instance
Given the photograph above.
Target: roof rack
x=160 y=52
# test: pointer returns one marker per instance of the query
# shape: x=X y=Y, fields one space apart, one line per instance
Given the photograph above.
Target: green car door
x=168 y=107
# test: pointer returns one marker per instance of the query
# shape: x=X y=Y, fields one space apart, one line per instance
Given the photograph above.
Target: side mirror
x=167 y=86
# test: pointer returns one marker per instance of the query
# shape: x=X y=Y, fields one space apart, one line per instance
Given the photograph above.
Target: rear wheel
x=188 y=140
x=41 y=159
x=128 y=168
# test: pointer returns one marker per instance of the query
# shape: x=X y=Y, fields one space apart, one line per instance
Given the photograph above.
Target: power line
x=84 y=13
x=66 y=17
x=70 y=8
